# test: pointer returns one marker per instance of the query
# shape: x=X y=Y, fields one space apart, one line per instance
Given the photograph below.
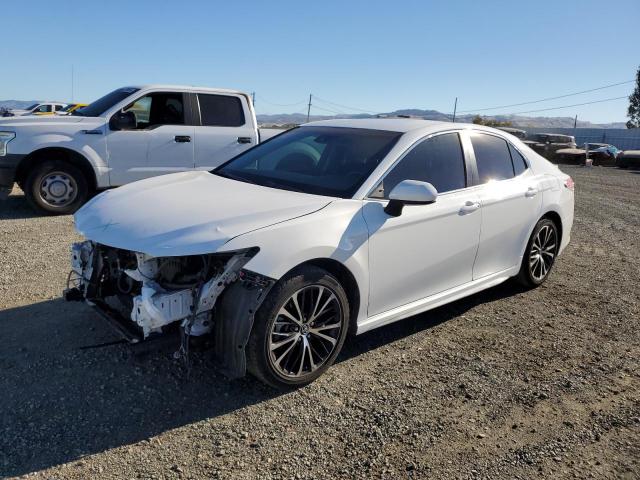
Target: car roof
x=391 y=124
x=186 y=88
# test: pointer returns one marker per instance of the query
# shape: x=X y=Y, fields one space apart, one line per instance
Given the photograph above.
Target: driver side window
x=438 y=160
x=157 y=109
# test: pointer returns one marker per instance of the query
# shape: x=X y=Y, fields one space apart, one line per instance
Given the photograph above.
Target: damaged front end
x=198 y=295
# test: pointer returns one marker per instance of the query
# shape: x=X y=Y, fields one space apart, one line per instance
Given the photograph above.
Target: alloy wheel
x=305 y=332
x=543 y=253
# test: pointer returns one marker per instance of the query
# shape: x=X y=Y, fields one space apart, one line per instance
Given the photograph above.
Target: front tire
x=299 y=330
x=56 y=187
x=540 y=254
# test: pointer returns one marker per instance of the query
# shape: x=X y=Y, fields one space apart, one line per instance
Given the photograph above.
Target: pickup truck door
x=161 y=141
x=225 y=127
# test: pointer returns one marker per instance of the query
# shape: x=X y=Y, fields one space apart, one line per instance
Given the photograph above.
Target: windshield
x=31 y=107
x=327 y=161
x=103 y=104
x=68 y=107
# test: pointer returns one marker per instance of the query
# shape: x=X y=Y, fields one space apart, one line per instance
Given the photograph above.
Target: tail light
x=569 y=183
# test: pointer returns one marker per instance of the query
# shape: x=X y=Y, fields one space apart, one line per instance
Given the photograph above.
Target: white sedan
x=332 y=227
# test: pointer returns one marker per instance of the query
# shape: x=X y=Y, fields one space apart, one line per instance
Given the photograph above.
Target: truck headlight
x=5 y=137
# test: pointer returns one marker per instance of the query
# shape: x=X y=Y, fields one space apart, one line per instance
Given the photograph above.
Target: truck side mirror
x=123 y=121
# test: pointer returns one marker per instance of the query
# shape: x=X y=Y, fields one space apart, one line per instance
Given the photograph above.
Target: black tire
x=74 y=186
x=260 y=362
x=530 y=276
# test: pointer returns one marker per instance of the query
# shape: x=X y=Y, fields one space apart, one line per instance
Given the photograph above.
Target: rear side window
x=438 y=160
x=220 y=110
x=492 y=157
x=519 y=163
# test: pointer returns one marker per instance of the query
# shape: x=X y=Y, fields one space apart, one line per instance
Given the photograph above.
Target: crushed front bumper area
x=145 y=297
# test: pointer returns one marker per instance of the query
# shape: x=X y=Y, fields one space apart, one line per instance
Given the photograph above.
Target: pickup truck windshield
x=97 y=108
x=331 y=161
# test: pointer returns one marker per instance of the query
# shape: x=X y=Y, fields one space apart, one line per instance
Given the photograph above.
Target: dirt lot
x=504 y=384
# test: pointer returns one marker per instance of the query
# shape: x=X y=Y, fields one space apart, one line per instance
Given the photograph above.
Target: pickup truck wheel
x=299 y=329
x=56 y=187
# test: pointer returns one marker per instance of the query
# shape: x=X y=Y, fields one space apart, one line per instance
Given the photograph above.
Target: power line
x=328 y=110
x=569 y=106
x=281 y=104
x=345 y=106
x=546 y=99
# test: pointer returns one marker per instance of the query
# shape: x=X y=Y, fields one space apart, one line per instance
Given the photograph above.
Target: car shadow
x=15 y=207
x=396 y=331
x=68 y=391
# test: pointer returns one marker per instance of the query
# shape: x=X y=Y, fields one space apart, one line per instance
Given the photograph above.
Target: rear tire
x=299 y=329
x=56 y=187
x=540 y=254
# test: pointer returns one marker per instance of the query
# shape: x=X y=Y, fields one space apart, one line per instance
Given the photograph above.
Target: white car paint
x=466 y=241
x=118 y=157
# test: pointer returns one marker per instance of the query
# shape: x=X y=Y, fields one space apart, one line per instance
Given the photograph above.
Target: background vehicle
x=129 y=134
x=516 y=132
x=44 y=108
x=628 y=159
x=333 y=226
x=72 y=107
x=601 y=154
x=546 y=144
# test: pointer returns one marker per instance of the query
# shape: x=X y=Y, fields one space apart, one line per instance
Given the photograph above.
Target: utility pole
x=309 y=108
x=575 y=122
x=455 y=107
x=253 y=99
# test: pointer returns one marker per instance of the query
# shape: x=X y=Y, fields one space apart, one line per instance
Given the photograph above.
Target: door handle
x=469 y=207
x=531 y=192
x=244 y=139
x=182 y=138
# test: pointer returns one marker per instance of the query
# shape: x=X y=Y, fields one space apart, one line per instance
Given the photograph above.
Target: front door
x=428 y=248
x=159 y=143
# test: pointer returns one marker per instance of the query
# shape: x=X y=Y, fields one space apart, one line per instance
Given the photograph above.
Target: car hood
x=187 y=213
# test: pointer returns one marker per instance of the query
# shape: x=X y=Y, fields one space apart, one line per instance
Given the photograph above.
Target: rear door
x=511 y=201
x=160 y=143
x=224 y=128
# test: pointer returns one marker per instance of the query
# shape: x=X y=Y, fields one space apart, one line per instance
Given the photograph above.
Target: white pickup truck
x=129 y=134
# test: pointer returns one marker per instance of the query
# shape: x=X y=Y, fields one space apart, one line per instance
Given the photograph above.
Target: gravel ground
x=504 y=384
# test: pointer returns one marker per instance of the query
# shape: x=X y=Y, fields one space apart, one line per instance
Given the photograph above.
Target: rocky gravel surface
x=504 y=384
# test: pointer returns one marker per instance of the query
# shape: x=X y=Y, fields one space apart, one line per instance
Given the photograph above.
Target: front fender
x=336 y=232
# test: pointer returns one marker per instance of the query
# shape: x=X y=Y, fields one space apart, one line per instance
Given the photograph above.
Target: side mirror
x=410 y=192
x=123 y=121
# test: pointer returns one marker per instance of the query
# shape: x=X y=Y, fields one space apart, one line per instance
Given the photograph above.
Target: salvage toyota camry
x=333 y=227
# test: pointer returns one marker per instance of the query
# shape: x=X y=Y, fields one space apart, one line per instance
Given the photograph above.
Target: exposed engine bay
x=153 y=295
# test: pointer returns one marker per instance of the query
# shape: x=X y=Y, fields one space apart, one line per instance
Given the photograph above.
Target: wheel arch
x=58 y=153
x=557 y=219
x=346 y=279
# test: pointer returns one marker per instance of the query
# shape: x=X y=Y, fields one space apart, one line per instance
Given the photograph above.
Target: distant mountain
x=516 y=120
x=298 y=118
x=19 y=104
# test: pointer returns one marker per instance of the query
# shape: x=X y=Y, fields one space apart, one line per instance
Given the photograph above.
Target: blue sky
x=374 y=55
